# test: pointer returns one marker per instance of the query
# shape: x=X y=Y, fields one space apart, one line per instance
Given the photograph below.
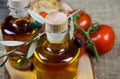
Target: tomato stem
x=87 y=35
x=96 y=52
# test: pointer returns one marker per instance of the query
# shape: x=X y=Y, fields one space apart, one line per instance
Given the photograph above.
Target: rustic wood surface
x=103 y=11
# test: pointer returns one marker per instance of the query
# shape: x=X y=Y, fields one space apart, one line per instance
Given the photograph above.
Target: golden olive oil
x=17 y=29
x=56 y=61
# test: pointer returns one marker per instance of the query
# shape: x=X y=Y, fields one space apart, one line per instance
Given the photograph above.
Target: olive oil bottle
x=16 y=27
x=56 y=56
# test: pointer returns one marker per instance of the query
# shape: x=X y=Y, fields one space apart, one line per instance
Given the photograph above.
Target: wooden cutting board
x=86 y=70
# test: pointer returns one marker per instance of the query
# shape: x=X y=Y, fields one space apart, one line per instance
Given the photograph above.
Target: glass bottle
x=16 y=27
x=56 y=56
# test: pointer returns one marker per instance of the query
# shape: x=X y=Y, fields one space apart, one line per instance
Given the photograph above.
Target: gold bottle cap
x=56 y=22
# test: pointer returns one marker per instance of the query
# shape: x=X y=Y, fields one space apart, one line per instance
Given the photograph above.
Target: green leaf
x=35 y=25
x=11 y=43
x=2 y=52
x=22 y=62
x=36 y=16
x=77 y=15
x=34 y=36
x=19 y=53
x=71 y=32
x=31 y=49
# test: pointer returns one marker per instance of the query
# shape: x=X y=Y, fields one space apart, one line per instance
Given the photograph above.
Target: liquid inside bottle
x=17 y=28
x=56 y=56
x=55 y=61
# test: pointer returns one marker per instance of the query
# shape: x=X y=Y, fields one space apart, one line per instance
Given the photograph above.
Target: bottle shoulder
x=63 y=55
x=11 y=25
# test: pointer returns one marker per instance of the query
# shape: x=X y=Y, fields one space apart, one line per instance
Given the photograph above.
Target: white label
x=56 y=38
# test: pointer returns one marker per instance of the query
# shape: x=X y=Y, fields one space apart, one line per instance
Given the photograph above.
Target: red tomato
x=104 y=39
x=43 y=14
x=77 y=31
x=84 y=21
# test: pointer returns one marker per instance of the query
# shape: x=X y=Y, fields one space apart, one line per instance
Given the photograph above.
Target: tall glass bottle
x=56 y=56
x=16 y=27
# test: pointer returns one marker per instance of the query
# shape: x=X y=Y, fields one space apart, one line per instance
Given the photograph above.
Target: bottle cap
x=56 y=22
x=18 y=4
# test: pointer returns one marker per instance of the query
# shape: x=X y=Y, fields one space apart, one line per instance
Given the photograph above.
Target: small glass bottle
x=16 y=27
x=56 y=56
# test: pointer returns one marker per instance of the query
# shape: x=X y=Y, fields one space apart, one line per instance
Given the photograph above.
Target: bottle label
x=56 y=37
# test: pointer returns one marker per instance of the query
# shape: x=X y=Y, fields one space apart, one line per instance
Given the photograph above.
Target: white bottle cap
x=56 y=27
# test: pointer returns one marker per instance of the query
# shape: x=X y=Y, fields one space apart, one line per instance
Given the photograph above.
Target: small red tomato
x=43 y=14
x=104 y=39
x=84 y=21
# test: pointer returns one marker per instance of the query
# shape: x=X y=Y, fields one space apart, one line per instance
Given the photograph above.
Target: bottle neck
x=18 y=13
x=58 y=43
x=18 y=8
x=56 y=38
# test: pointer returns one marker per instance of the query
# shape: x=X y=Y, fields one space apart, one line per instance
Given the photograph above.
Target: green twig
x=35 y=37
x=86 y=33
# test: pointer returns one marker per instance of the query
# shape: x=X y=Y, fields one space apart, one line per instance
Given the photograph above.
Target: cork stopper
x=56 y=22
